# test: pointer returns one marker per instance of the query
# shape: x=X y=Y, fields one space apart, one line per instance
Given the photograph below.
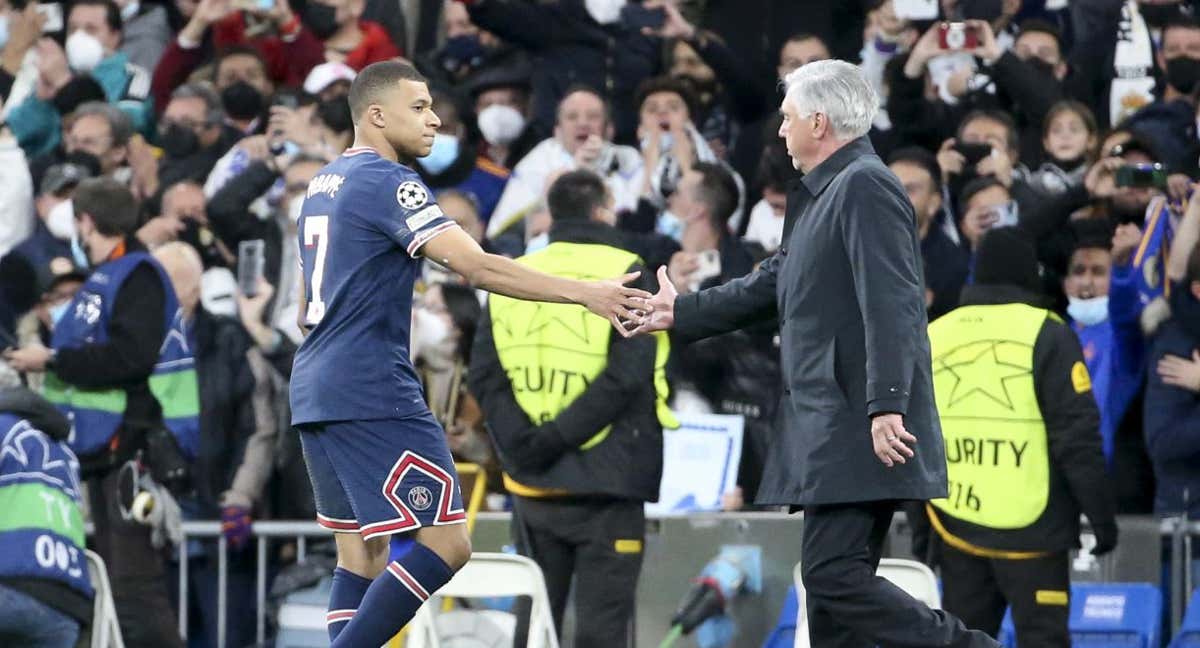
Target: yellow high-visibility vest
x=996 y=449
x=552 y=352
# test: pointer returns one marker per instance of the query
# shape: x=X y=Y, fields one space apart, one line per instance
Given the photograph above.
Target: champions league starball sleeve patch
x=411 y=195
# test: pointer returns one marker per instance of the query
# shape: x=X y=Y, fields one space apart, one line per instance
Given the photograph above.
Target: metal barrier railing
x=1179 y=530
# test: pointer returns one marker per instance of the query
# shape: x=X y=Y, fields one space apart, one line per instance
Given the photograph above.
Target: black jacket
x=126 y=360
x=847 y=291
x=227 y=416
x=628 y=463
x=1078 y=478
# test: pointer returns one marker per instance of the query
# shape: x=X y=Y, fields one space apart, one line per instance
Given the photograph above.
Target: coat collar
x=819 y=178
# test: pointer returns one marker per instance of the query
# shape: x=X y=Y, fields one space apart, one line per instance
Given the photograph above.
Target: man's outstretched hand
x=659 y=314
x=614 y=301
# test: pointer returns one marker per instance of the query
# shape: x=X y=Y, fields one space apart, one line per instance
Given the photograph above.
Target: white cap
x=325 y=74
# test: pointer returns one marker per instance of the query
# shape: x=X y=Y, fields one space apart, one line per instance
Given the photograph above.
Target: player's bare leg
x=365 y=558
x=452 y=543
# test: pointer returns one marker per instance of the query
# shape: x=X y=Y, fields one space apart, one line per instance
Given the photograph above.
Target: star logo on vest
x=411 y=195
x=984 y=368
x=420 y=498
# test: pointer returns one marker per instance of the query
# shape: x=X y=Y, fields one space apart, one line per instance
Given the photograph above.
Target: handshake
x=654 y=313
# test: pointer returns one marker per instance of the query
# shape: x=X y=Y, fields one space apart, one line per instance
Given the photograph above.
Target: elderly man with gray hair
x=860 y=430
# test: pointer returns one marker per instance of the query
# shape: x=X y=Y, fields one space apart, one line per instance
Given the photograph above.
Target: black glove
x=1106 y=538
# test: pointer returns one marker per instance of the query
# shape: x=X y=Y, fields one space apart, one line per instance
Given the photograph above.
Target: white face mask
x=604 y=11
x=670 y=225
x=538 y=242
x=500 y=124
x=84 y=51
x=61 y=220
x=1088 y=312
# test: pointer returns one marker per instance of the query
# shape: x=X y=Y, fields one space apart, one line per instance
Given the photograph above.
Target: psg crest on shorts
x=420 y=498
x=411 y=195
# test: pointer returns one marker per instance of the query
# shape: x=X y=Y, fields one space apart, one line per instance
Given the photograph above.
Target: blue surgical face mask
x=57 y=312
x=78 y=254
x=442 y=155
x=3 y=31
x=1088 y=312
x=670 y=225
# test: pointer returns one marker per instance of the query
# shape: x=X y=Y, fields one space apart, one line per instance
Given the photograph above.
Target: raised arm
x=1185 y=240
x=610 y=299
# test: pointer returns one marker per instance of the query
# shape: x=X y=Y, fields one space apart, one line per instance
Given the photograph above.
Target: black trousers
x=848 y=605
x=977 y=590
x=598 y=543
x=136 y=570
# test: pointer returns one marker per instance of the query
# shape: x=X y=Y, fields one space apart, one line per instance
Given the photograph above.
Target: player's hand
x=890 y=440
x=614 y=300
x=661 y=310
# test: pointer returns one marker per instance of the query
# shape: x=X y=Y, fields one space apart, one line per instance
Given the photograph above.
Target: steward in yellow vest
x=576 y=413
x=1023 y=449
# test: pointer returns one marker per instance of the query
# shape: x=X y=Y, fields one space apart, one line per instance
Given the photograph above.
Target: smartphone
x=974 y=153
x=637 y=17
x=53 y=13
x=250 y=266
x=915 y=9
x=957 y=36
x=1142 y=175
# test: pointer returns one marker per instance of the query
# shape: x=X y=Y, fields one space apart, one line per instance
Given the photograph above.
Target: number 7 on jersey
x=316 y=231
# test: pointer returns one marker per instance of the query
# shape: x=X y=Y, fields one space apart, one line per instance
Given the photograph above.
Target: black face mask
x=321 y=19
x=462 y=51
x=1183 y=73
x=178 y=142
x=242 y=101
x=1157 y=15
x=1042 y=67
x=335 y=113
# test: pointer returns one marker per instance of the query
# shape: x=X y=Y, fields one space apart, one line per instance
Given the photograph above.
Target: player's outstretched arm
x=610 y=299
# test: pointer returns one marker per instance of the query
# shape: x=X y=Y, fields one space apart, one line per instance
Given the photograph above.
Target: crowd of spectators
x=1074 y=122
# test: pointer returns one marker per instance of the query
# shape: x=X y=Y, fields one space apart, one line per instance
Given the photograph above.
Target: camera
x=1142 y=176
x=957 y=36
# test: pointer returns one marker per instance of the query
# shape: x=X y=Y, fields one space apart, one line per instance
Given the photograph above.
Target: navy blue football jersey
x=364 y=221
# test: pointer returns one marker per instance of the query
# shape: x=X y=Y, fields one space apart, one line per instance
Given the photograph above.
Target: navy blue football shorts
x=381 y=477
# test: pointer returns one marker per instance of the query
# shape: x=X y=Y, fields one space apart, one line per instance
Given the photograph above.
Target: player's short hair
x=575 y=195
x=377 y=78
x=109 y=203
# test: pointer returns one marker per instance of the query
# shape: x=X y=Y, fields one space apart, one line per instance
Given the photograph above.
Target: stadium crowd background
x=217 y=113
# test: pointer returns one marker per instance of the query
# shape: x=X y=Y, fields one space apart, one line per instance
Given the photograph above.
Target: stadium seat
x=1189 y=631
x=784 y=633
x=909 y=575
x=490 y=575
x=1107 y=615
x=106 y=631
x=913 y=577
